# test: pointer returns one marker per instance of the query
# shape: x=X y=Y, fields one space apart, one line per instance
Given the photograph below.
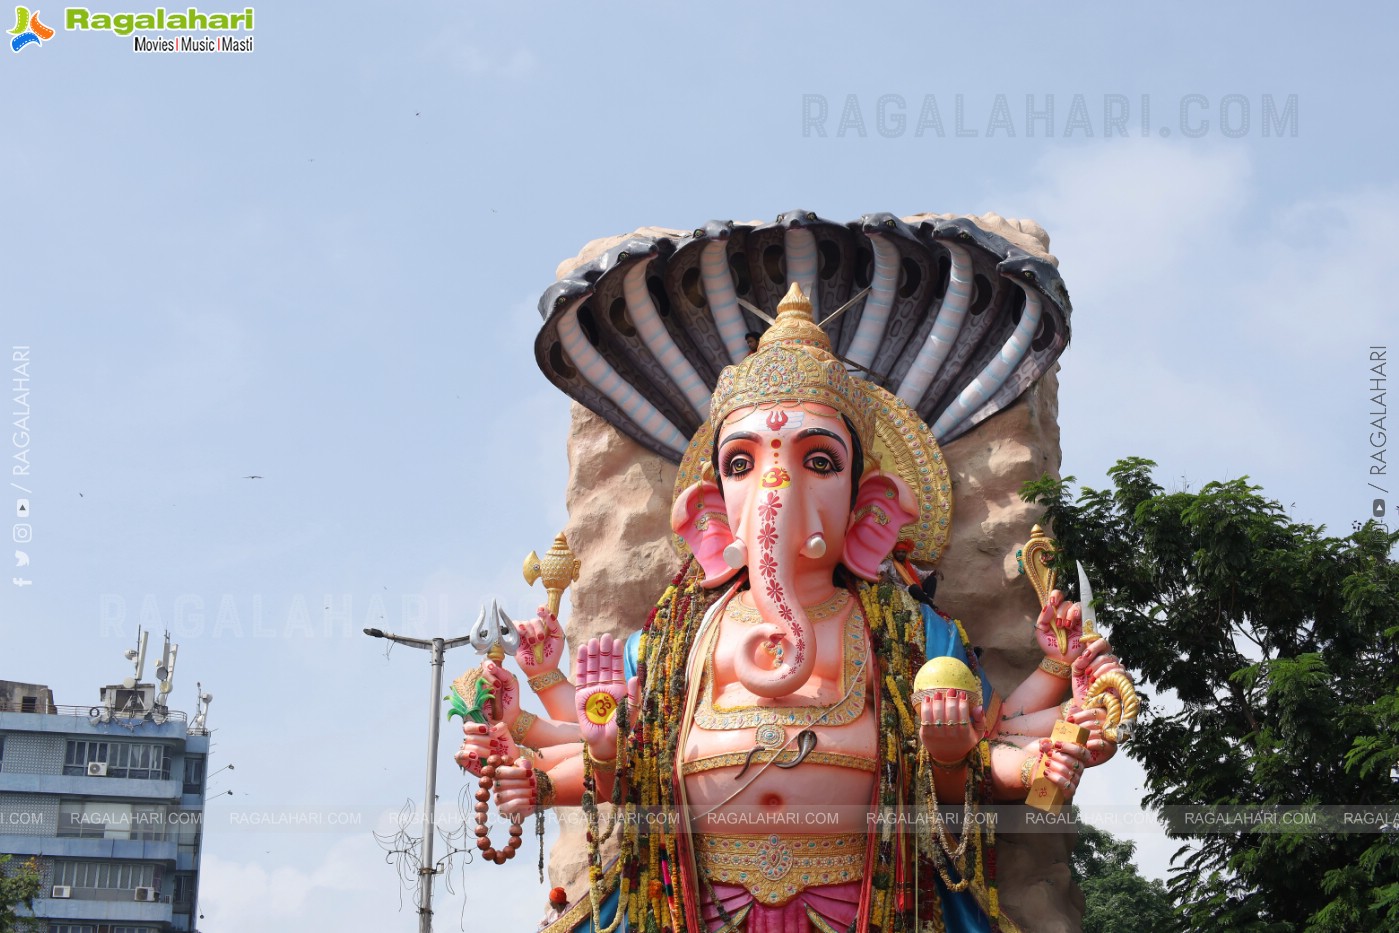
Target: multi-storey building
x=109 y=801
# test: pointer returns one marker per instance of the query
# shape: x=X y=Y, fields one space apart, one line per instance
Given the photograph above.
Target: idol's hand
x=1099 y=748
x=949 y=726
x=541 y=643
x=515 y=788
x=505 y=688
x=1095 y=661
x=601 y=686
x=1064 y=764
x=481 y=742
x=1059 y=629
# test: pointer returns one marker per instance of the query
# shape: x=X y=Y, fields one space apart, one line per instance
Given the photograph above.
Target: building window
x=79 y=820
x=141 y=760
x=99 y=819
x=78 y=755
x=194 y=774
x=93 y=879
x=186 y=834
x=184 y=891
x=92 y=928
x=132 y=760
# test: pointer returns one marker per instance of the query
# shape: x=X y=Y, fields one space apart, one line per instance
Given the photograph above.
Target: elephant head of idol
x=788 y=494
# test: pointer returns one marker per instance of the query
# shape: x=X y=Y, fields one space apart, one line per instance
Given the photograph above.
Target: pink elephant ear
x=700 y=517
x=880 y=511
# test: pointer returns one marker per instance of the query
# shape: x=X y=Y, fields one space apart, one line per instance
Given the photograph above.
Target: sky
x=318 y=263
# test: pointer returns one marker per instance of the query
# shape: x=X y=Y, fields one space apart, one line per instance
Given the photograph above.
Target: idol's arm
x=556 y=695
x=525 y=727
x=1033 y=707
x=1011 y=767
x=1036 y=704
x=544 y=733
x=1009 y=772
x=552 y=779
x=541 y=650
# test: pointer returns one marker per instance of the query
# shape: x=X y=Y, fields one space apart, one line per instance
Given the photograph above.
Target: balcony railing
x=88 y=712
x=111 y=894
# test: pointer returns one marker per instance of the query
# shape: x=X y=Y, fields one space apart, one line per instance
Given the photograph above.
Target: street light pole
x=426 y=870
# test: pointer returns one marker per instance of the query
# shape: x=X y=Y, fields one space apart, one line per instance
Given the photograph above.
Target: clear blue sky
x=318 y=263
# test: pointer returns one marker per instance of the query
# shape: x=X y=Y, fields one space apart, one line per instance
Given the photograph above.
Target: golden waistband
x=729 y=759
x=776 y=868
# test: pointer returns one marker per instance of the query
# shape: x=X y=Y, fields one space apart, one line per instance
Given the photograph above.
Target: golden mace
x=557 y=568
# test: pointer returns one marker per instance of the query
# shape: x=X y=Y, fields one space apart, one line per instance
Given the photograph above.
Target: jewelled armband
x=957 y=765
x=1049 y=666
x=522 y=725
x=1027 y=767
x=544 y=681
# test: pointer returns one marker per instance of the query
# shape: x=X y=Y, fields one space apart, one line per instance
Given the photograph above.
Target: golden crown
x=794 y=363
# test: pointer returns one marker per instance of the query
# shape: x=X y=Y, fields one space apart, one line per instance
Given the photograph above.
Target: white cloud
x=263 y=896
x=1316 y=285
x=452 y=46
x=1138 y=213
x=353 y=890
x=1219 y=327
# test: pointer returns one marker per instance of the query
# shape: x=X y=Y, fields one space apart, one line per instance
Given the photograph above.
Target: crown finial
x=795 y=323
x=794 y=363
x=795 y=301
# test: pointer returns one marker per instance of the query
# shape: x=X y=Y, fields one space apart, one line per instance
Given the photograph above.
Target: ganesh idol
x=797 y=666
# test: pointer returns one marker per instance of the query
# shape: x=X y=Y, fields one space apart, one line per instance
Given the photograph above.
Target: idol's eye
x=824 y=460
x=736 y=463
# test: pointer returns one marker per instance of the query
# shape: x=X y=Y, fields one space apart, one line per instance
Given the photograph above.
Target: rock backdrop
x=619 y=498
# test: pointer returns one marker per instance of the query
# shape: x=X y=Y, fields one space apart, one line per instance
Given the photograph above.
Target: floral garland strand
x=651 y=901
x=595 y=874
x=636 y=752
x=898 y=638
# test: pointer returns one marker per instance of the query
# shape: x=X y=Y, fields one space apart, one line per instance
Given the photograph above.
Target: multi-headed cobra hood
x=954 y=321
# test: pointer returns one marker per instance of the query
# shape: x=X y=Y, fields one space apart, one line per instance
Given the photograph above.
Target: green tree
x=19 y=885
x=1116 y=898
x=1279 y=643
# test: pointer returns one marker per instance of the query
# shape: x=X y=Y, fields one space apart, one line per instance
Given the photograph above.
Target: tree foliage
x=19 y=885
x=1279 y=643
x=1116 y=898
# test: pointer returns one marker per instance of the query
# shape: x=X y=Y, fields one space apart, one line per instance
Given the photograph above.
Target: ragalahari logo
x=28 y=30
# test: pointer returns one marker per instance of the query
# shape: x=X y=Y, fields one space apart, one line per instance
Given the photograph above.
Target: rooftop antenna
x=201 y=707
x=139 y=656
x=165 y=675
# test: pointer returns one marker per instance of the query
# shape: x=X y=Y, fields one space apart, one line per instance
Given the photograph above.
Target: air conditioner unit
x=145 y=894
x=97 y=769
x=61 y=890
